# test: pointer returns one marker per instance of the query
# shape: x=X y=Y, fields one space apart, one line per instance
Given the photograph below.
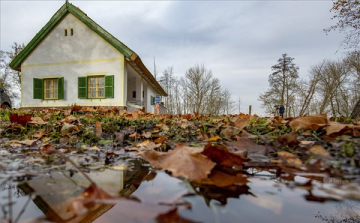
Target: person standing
x=282 y=110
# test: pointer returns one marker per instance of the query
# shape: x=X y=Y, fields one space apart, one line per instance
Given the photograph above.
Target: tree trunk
x=356 y=112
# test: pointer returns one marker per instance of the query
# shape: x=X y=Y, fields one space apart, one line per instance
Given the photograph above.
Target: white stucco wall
x=83 y=54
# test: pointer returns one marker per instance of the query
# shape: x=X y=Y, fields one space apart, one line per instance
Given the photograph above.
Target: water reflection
x=348 y=212
x=264 y=198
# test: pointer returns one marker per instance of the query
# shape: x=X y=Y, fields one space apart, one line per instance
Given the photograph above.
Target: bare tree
x=10 y=80
x=282 y=83
x=347 y=14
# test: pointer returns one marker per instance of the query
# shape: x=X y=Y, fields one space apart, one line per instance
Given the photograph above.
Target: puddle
x=143 y=194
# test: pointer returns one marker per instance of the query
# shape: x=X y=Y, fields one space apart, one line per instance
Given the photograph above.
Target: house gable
x=70 y=41
x=132 y=58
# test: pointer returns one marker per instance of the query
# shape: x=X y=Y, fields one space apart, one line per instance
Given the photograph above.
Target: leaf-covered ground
x=204 y=151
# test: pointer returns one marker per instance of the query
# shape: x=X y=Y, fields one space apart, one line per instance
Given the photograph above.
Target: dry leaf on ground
x=244 y=146
x=161 y=139
x=21 y=119
x=241 y=123
x=289 y=139
x=27 y=142
x=146 y=145
x=182 y=161
x=289 y=159
x=98 y=129
x=146 y=135
x=311 y=122
x=336 y=129
x=318 y=150
x=37 y=121
x=215 y=138
x=222 y=156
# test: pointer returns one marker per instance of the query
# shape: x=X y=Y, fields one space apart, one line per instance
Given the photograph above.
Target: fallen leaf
x=98 y=129
x=336 y=129
x=95 y=148
x=88 y=109
x=182 y=161
x=146 y=145
x=146 y=135
x=69 y=119
x=46 y=139
x=67 y=112
x=67 y=128
x=222 y=157
x=119 y=137
x=21 y=119
x=39 y=134
x=134 y=135
x=37 y=121
x=75 y=108
x=306 y=142
x=171 y=216
x=27 y=142
x=241 y=123
x=228 y=132
x=48 y=148
x=286 y=155
x=161 y=139
x=289 y=139
x=246 y=147
x=318 y=150
x=289 y=159
x=311 y=122
x=215 y=138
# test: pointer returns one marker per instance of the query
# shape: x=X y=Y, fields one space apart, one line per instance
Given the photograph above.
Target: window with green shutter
x=152 y=100
x=109 y=86
x=61 y=88
x=48 y=88
x=38 y=88
x=96 y=87
x=82 y=87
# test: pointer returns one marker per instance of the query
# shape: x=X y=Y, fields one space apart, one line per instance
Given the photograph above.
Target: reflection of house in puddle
x=55 y=192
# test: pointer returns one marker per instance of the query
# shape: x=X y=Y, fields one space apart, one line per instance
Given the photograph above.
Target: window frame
x=53 y=90
x=97 y=92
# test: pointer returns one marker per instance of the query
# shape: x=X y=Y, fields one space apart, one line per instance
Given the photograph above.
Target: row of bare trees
x=10 y=80
x=333 y=87
x=198 y=91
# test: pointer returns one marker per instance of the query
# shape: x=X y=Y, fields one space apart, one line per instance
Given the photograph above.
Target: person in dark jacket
x=282 y=110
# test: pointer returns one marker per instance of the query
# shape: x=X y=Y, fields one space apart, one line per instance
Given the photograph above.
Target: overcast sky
x=238 y=40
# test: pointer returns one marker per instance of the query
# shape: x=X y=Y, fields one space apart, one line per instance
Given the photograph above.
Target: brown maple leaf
x=182 y=161
x=21 y=119
x=311 y=122
x=222 y=156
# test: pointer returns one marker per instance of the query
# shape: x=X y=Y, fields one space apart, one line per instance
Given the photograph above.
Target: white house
x=73 y=60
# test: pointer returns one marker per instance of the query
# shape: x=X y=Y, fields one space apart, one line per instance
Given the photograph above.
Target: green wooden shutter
x=38 y=88
x=61 y=88
x=109 y=86
x=152 y=99
x=82 y=87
